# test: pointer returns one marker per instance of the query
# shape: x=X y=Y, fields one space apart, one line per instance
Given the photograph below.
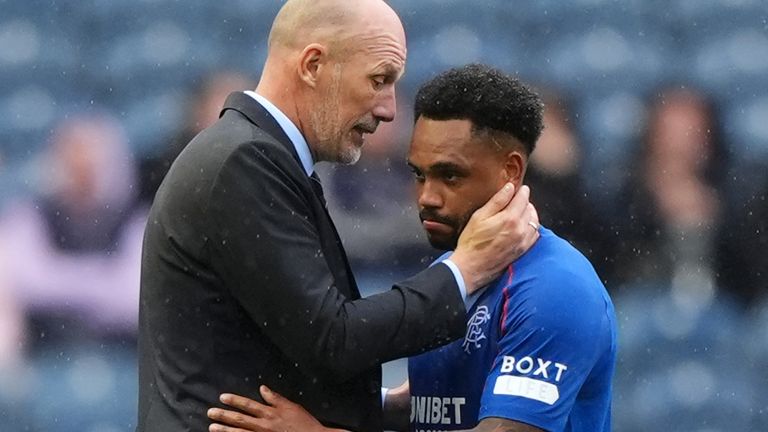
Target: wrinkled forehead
x=379 y=44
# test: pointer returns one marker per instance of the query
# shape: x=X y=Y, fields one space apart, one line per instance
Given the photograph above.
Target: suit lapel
x=259 y=116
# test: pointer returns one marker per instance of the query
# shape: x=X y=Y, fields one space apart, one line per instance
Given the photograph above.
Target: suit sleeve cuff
x=459 y=279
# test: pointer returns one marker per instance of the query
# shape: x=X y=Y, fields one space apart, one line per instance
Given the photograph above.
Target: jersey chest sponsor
x=437 y=410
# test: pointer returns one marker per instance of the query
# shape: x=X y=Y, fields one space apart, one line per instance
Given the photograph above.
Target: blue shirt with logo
x=540 y=348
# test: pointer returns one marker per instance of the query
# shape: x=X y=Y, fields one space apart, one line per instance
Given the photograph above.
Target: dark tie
x=318 y=187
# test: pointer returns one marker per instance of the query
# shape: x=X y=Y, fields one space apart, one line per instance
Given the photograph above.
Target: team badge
x=475 y=332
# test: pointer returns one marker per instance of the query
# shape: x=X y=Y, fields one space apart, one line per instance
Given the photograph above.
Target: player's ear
x=514 y=167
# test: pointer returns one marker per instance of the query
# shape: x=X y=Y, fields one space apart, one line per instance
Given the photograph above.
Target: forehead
x=440 y=135
x=382 y=47
x=444 y=139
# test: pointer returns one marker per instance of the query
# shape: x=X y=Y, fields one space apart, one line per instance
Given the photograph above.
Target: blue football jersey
x=540 y=348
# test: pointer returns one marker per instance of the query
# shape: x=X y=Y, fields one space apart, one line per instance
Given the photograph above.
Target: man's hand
x=281 y=415
x=497 y=234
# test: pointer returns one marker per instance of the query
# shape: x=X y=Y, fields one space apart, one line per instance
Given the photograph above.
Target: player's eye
x=451 y=177
x=417 y=175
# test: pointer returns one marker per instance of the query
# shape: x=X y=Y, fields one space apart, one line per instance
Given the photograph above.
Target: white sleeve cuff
x=459 y=279
x=384 y=391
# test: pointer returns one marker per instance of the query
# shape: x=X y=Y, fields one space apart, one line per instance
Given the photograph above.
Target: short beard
x=349 y=156
x=325 y=120
x=445 y=244
x=458 y=224
x=448 y=245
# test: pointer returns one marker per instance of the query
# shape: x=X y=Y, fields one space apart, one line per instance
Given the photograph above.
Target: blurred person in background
x=371 y=203
x=73 y=251
x=11 y=319
x=672 y=200
x=203 y=109
x=554 y=175
x=12 y=353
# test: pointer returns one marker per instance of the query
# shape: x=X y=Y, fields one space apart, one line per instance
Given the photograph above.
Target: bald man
x=244 y=278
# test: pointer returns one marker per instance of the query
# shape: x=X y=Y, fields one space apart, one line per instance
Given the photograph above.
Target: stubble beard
x=327 y=123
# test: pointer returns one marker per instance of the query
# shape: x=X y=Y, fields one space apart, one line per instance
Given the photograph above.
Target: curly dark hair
x=491 y=99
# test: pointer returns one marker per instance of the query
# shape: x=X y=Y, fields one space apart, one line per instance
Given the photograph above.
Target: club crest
x=475 y=332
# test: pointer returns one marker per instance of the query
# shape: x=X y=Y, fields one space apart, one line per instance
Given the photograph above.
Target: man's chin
x=350 y=155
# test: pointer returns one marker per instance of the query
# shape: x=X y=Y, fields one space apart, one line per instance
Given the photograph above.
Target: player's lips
x=436 y=227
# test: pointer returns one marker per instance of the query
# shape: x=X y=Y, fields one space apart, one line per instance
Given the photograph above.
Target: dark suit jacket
x=245 y=282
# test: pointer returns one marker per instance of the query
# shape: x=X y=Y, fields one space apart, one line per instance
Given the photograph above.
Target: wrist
x=465 y=270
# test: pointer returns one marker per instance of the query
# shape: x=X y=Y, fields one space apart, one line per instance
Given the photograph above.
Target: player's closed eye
x=451 y=178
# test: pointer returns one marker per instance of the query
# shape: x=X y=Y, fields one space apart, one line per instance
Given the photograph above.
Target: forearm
x=397 y=408
x=322 y=331
x=416 y=315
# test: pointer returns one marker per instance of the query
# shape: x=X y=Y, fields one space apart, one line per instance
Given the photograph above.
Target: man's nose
x=429 y=196
x=386 y=106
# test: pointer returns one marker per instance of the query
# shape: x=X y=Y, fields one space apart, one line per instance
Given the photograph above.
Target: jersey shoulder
x=555 y=284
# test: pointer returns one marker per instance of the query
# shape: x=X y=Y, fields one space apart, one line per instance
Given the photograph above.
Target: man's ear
x=311 y=61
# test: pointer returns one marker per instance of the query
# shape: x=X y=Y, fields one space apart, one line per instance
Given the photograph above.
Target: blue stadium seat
x=756 y=361
x=732 y=63
x=747 y=128
x=151 y=118
x=27 y=115
x=86 y=389
x=606 y=57
x=73 y=388
x=680 y=368
x=457 y=44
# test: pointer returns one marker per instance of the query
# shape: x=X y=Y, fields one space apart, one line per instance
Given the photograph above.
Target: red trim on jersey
x=504 y=310
x=507 y=286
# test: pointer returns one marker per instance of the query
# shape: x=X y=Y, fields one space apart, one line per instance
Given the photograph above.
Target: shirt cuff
x=384 y=391
x=459 y=279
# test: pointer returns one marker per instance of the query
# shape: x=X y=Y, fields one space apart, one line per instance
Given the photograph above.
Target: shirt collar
x=290 y=129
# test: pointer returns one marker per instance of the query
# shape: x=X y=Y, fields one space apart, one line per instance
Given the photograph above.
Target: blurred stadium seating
x=681 y=368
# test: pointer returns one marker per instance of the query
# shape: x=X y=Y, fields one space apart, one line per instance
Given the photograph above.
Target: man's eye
x=378 y=82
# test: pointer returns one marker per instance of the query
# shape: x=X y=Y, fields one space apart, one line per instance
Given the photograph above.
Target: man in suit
x=244 y=278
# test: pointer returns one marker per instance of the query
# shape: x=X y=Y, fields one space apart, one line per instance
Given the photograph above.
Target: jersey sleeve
x=549 y=341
